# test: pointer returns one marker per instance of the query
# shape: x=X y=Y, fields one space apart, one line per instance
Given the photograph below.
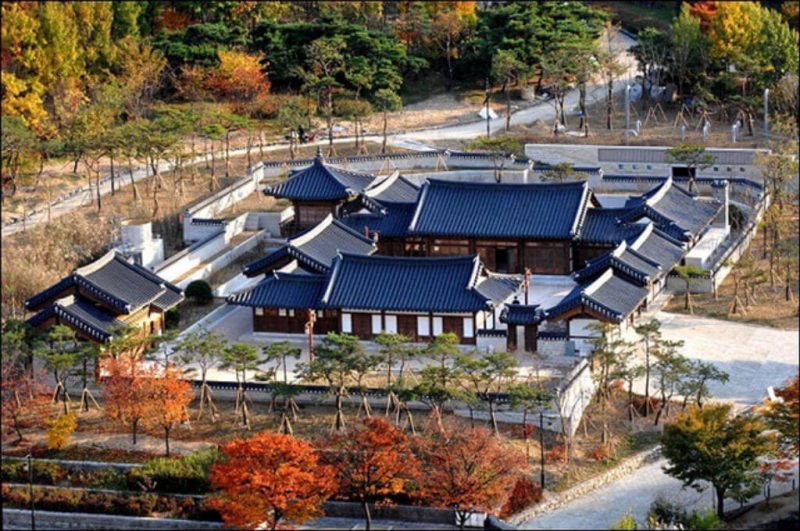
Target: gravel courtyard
x=755 y=357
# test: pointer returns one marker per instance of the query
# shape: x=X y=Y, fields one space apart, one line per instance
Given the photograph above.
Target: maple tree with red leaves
x=25 y=400
x=126 y=391
x=169 y=401
x=373 y=462
x=270 y=479
x=468 y=470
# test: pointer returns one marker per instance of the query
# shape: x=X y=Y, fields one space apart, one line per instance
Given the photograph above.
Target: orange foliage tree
x=468 y=470
x=169 y=401
x=270 y=479
x=126 y=391
x=372 y=463
x=25 y=400
x=240 y=77
x=784 y=414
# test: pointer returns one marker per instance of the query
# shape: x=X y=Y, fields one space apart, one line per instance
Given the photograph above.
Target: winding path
x=411 y=140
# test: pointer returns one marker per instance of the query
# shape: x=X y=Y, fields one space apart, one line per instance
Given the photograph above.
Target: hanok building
x=510 y=226
x=367 y=295
x=313 y=250
x=317 y=190
x=104 y=297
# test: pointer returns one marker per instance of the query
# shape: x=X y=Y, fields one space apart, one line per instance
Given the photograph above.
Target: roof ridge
x=506 y=185
x=596 y=283
x=640 y=239
x=354 y=232
x=90 y=268
x=409 y=259
x=306 y=236
x=659 y=192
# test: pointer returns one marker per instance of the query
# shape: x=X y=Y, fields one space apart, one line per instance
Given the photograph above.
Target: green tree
x=486 y=374
x=629 y=370
x=605 y=358
x=437 y=386
x=291 y=116
x=203 y=349
x=709 y=445
x=687 y=273
x=386 y=101
x=334 y=361
x=59 y=350
x=671 y=369
x=393 y=347
x=326 y=60
x=650 y=333
x=241 y=357
x=695 y=384
x=695 y=157
x=508 y=70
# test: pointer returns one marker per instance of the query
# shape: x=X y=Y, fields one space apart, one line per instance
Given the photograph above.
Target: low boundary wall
x=627 y=466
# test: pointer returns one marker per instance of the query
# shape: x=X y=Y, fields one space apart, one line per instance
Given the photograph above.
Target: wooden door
x=362 y=325
x=453 y=325
x=407 y=326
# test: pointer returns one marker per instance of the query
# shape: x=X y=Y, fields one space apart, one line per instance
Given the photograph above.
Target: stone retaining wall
x=21 y=519
x=581 y=489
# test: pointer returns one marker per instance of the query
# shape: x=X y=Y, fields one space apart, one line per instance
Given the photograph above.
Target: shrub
x=524 y=494
x=600 y=453
x=172 y=318
x=200 y=292
x=624 y=523
x=188 y=475
x=557 y=453
x=59 y=431
x=44 y=473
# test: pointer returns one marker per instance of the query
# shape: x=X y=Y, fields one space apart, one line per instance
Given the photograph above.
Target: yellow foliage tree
x=59 y=431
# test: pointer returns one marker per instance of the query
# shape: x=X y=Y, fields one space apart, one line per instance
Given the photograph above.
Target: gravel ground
x=754 y=356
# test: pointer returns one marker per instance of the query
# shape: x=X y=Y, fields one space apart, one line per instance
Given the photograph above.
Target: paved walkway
x=755 y=357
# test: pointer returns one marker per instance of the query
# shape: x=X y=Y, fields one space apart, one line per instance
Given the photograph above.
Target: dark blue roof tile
x=393 y=189
x=316 y=247
x=521 y=314
x=321 y=182
x=405 y=284
x=489 y=210
x=391 y=222
x=283 y=290
x=609 y=295
x=604 y=225
x=675 y=210
x=624 y=260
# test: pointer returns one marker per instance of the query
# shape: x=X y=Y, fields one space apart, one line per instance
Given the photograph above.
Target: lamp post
x=541 y=448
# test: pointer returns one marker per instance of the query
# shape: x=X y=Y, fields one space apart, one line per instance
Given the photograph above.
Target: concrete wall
x=223 y=260
x=574 y=394
x=177 y=265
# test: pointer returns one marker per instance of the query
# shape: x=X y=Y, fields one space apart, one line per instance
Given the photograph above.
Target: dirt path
x=122 y=441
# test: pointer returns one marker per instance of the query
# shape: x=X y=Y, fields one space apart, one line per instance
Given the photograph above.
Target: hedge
x=78 y=501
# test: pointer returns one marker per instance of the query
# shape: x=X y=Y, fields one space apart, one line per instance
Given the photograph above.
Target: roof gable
x=321 y=182
x=393 y=189
x=316 y=247
x=610 y=295
x=491 y=210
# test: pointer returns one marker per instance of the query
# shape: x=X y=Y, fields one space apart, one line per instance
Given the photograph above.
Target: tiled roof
x=659 y=247
x=497 y=288
x=321 y=182
x=113 y=280
x=391 y=221
x=43 y=297
x=393 y=189
x=672 y=207
x=623 y=260
x=489 y=210
x=405 y=284
x=283 y=290
x=316 y=247
x=521 y=314
x=603 y=225
x=81 y=315
x=609 y=295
